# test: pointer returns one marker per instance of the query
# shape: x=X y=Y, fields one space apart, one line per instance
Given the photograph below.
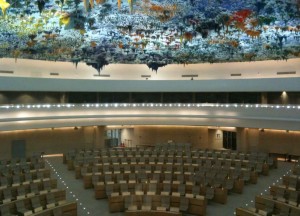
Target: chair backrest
x=124 y=187
x=20 y=205
x=34 y=187
x=147 y=200
x=181 y=189
x=167 y=187
x=138 y=187
x=184 y=204
x=50 y=198
x=165 y=201
x=196 y=190
x=109 y=189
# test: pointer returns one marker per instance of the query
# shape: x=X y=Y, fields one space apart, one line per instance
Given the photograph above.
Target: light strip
x=155 y=105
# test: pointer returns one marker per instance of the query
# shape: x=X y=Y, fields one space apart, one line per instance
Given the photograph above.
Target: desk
x=196 y=206
x=152 y=213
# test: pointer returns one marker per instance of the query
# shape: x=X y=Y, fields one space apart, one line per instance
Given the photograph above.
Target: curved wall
x=286 y=117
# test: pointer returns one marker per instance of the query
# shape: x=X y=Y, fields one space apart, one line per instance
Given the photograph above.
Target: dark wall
x=148 y=97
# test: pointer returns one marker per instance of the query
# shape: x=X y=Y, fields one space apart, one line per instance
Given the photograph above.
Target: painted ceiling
x=152 y=32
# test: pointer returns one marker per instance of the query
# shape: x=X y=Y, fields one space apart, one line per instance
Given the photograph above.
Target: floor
x=88 y=205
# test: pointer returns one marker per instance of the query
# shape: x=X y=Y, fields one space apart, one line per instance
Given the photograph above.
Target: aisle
x=247 y=198
x=88 y=205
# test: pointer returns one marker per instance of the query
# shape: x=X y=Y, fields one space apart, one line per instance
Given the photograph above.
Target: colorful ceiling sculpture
x=152 y=32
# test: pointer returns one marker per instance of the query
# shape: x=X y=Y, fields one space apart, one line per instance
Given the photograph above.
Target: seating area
x=140 y=179
x=26 y=188
x=283 y=200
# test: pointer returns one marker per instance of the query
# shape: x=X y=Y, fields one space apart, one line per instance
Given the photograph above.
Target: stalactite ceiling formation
x=152 y=32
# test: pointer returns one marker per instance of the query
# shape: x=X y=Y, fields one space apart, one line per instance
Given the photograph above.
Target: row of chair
x=36 y=204
x=284 y=200
x=18 y=161
x=285 y=195
x=15 y=180
x=19 y=169
x=18 y=192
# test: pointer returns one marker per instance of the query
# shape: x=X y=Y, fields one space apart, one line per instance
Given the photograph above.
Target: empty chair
x=179 y=179
x=142 y=177
x=161 y=160
x=181 y=189
x=179 y=161
x=40 y=175
x=139 y=189
x=152 y=189
x=4 y=182
x=167 y=178
x=269 y=206
x=47 y=186
x=133 y=161
x=147 y=203
x=16 y=180
x=293 y=198
x=155 y=178
x=7 y=195
x=95 y=170
x=21 y=209
x=36 y=204
x=190 y=170
x=165 y=203
x=115 y=161
x=106 y=169
x=124 y=189
x=138 y=169
x=34 y=190
x=246 y=176
x=109 y=189
x=280 y=194
x=117 y=169
x=259 y=168
x=188 y=161
x=28 y=178
x=108 y=179
x=196 y=190
x=124 y=161
x=293 y=183
x=158 y=169
x=184 y=204
x=209 y=193
x=120 y=179
x=148 y=169
x=166 y=189
x=51 y=202
x=229 y=184
x=83 y=170
x=142 y=161
x=5 y=211
x=21 y=192
x=105 y=161
x=170 y=161
x=179 y=170
x=132 y=178
x=127 y=169
x=169 y=169
x=128 y=203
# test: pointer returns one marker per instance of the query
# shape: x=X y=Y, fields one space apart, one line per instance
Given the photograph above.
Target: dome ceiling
x=152 y=32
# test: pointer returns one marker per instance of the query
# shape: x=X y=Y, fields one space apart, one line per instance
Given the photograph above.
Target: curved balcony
x=15 y=117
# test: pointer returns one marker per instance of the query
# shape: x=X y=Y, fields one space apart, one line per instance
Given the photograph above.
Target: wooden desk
x=196 y=206
x=260 y=204
x=245 y=212
x=69 y=208
x=152 y=213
